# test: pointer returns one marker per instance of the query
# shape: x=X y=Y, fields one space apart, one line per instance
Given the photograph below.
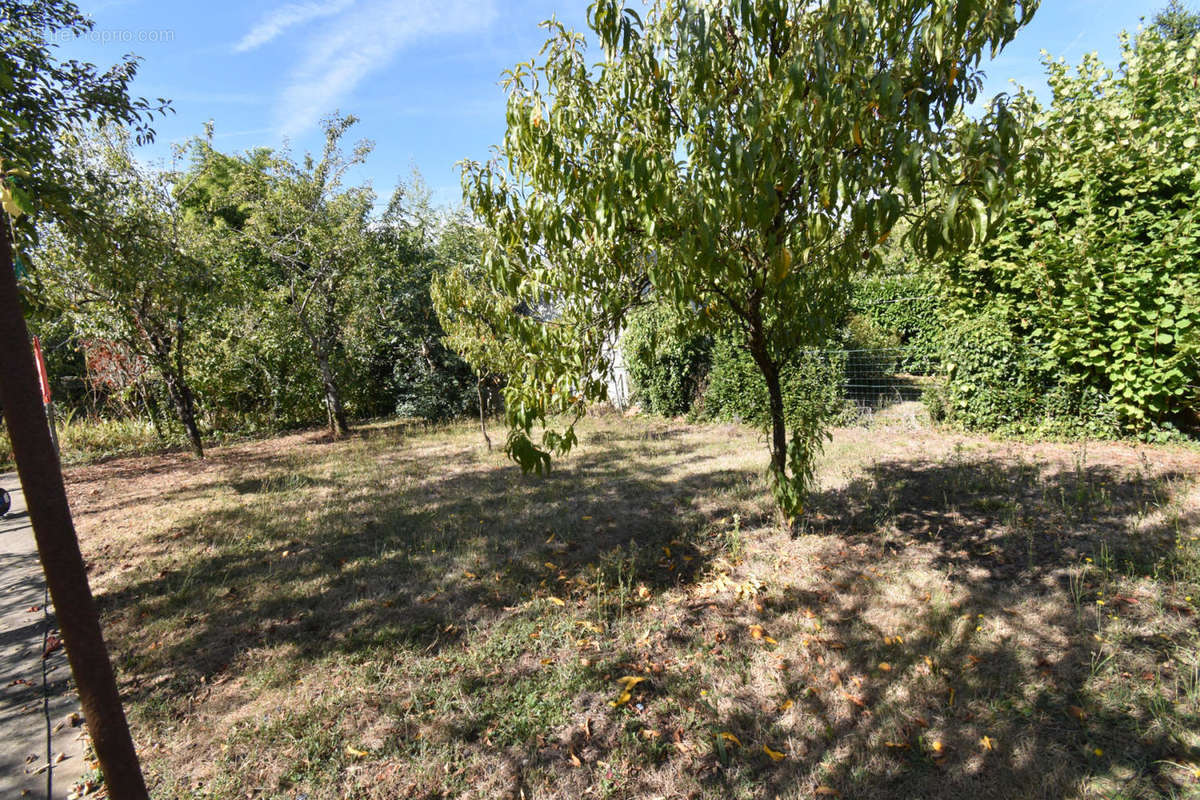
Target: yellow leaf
x=774 y=754
x=630 y=681
x=353 y=751
x=621 y=700
x=769 y=640
x=756 y=631
x=471 y=575
x=556 y=601
x=885 y=667
x=987 y=742
x=858 y=140
x=786 y=705
x=729 y=737
x=897 y=745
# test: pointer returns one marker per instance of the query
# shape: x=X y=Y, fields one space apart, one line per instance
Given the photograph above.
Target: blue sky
x=422 y=75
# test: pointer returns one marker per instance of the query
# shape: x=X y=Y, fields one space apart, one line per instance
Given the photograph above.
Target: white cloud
x=288 y=16
x=365 y=40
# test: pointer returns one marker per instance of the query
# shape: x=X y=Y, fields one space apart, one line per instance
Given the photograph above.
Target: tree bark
x=770 y=373
x=185 y=408
x=179 y=392
x=333 y=395
x=482 y=413
x=58 y=547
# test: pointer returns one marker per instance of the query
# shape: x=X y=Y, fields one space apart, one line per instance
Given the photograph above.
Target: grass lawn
x=402 y=614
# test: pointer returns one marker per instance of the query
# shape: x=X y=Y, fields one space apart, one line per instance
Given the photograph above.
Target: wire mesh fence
x=874 y=379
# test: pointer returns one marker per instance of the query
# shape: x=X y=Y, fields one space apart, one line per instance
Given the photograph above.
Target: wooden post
x=58 y=547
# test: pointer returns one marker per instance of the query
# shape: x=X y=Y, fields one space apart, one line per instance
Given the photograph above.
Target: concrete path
x=37 y=694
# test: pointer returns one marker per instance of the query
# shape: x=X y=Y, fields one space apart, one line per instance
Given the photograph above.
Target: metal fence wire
x=877 y=378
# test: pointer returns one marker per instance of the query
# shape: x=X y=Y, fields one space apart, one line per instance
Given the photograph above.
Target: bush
x=811 y=384
x=996 y=381
x=909 y=308
x=666 y=366
x=1095 y=262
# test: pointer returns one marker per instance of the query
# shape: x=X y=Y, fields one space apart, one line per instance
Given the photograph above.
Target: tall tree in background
x=313 y=230
x=143 y=273
x=395 y=328
x=44 y=98
x=740 y=160
x=1177 y=22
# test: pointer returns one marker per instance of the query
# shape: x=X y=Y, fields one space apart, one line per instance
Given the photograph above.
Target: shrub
x=909 y=307
x=811 y=384
x=1096 y=263
x=996 y=381
x=666 y=365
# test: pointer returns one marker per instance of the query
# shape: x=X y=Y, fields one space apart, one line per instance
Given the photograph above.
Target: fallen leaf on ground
x=786 y=705
x=828 y=791
x=774 y=754
x=756 y=631
x=729 y=737
x=987 y=743
x=354 y=751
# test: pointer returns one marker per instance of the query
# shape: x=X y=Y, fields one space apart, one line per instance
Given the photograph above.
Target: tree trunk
x=185 y=408
x=333 y=395
x=178 y=390
x=58 y=547
x=770 y=373
x=482 y=413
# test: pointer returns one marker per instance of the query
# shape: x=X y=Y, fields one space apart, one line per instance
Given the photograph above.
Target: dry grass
x=402 y=614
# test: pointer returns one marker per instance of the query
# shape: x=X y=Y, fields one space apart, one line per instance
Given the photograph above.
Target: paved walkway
x=29 y=712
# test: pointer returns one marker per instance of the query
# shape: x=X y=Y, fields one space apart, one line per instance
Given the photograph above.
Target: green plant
x=667 y=363
x=1094 y=270
x=742 y=161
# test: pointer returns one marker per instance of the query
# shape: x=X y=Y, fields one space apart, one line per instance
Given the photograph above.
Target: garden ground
x=403 y=614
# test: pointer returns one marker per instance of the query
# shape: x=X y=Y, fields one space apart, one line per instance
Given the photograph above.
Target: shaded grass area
x=403 y=615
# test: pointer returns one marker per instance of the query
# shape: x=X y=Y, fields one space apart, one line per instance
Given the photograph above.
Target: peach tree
x=740 y=160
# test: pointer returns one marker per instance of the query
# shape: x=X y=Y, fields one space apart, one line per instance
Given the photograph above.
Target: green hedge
x=996 y=381
x=666 y=366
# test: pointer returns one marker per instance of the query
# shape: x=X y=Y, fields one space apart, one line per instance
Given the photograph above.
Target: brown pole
x=58 y=548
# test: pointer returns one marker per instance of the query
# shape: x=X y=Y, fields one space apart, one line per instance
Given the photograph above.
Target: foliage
x=142 y=272
x=908 y=306
x=1177 y=23
x=1096 y=268
x=742 y=159
x=667 y=363
x=811 y=385
x=395 y=333
x=45 y=97
x=996 y=381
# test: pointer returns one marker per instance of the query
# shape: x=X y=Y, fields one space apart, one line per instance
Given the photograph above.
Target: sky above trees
x=421 y=74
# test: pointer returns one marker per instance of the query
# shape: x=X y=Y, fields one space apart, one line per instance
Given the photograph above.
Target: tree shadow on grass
x=435 y=563
x=898 y=705
x=411 y=565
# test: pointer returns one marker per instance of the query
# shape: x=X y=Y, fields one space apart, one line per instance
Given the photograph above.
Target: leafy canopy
x=1095 y=268
x=45 y=97
x=739 y=160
